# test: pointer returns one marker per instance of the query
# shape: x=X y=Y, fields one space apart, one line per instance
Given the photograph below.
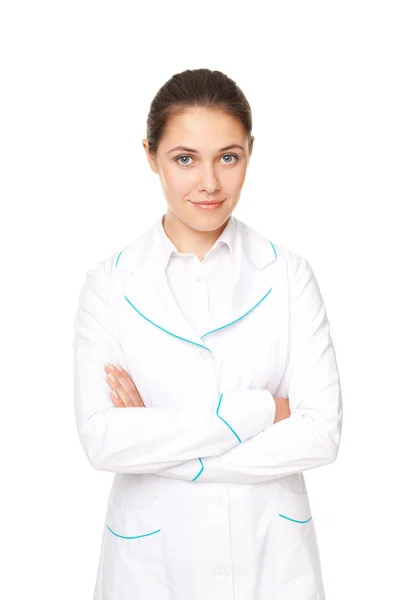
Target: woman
x=222 y=336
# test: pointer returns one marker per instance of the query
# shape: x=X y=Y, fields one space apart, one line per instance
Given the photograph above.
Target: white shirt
x=199 y=286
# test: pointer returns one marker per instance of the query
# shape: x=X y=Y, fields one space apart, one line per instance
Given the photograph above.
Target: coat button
x=222 y=573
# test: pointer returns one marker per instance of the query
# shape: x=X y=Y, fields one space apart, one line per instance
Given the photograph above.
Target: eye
x=185 y=156
x=179 y=158
x=232 y=155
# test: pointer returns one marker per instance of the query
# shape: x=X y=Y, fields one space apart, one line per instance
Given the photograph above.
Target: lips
x=208 y=206
x=208 y=203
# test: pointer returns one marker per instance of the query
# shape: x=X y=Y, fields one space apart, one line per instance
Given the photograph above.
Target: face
x=203 y=169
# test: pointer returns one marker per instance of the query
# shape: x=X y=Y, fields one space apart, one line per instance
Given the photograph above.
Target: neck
x=188 y=240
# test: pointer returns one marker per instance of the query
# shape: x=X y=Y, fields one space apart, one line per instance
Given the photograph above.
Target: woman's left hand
x=124 y=391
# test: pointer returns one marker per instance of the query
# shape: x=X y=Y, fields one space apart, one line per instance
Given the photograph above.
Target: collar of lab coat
x=168 y=247
x=148 y=292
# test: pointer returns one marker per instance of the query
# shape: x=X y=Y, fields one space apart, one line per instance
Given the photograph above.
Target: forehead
x=207 y=127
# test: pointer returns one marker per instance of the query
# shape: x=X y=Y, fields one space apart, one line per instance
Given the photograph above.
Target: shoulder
x=104 y=268
x=120 y=259
x=99 y=279
x=279 y=253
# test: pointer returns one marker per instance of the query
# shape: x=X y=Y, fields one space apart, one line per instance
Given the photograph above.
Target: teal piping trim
x=116 y=264
x=205 y=347
x=219 y=404
x=212 y=331
x=295 y=520
x=200 y=472
x=208 y=332
x=234 y=432
x=162 y=328
x=132 y=537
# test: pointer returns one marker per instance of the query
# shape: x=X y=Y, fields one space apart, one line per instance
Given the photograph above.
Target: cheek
x=233 y=181
x=176 y=182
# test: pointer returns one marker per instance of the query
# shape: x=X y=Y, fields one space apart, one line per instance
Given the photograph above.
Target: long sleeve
x=151 y=439
x=310 y=436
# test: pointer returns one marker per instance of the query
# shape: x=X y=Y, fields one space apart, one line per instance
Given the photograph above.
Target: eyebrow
x=185 y=149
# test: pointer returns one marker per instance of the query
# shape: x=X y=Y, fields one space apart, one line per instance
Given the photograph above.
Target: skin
x=205 y=174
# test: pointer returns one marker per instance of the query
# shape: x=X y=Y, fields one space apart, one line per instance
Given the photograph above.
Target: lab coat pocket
x=293 y=483
x=298 y=566
x=294 y=506
x=132 y=563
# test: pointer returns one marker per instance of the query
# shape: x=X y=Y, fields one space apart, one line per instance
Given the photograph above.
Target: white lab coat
x=208 y=501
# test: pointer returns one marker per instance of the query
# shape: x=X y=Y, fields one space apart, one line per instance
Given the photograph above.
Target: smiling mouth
x=209 y=203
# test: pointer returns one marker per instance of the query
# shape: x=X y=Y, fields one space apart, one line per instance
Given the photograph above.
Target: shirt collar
x=227 y=237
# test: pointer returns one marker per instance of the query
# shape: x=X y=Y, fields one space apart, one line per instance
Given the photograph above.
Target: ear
x=251 y=145
x=152 y=159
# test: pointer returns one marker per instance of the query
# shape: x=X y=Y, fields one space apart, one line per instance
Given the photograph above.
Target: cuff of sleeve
x=246 y=412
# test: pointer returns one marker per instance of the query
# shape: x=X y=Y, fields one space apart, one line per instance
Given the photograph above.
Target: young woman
x=222 y=337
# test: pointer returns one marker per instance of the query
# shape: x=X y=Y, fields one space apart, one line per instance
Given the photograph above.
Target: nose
x=208 y=180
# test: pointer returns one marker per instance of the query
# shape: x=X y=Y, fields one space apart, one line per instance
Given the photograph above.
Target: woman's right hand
x=282 y=408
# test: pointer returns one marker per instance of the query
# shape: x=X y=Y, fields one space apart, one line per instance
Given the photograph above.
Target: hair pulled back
x=203 y=88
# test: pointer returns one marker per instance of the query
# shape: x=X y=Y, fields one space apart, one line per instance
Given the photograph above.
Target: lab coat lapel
x=252 y=281
x=148 y=292
x=147 y=289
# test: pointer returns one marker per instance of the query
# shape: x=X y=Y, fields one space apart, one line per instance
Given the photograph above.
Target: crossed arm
x=198 y=446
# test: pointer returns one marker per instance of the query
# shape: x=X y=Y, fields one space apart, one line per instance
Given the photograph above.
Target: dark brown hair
x=196 y=88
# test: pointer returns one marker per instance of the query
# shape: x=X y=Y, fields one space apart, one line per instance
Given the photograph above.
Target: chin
x=208 y=222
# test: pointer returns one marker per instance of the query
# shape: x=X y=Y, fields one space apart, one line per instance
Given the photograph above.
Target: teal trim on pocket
x=294 y=520
x=132 y=537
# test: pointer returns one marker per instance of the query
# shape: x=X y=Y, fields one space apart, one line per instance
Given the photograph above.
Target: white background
x=77 y=80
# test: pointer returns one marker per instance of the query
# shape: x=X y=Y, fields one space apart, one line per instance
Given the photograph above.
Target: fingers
x=117 y=400
x=124 y=379
x=126 y=391
x=122 y=395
